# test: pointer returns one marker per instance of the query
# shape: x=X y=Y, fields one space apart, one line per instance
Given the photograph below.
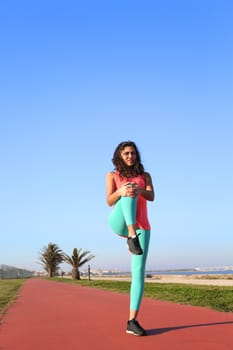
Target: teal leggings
x=124 y=214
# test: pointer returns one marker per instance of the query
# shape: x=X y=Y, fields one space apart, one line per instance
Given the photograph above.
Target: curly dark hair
x=124 y=170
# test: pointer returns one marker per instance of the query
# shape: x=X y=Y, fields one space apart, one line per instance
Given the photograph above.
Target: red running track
x=51 y=315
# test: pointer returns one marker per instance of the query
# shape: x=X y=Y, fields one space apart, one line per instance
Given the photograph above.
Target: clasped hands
x=130 y=189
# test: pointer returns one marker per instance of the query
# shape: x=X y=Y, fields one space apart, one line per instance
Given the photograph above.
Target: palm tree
x=78 y=259
x=51 y=257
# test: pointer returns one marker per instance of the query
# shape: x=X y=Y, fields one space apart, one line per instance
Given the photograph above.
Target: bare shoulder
x=110 y=176
x=147 y=176
x=110 y=183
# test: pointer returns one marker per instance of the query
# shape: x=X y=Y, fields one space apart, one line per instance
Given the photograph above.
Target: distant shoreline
x=182 y=272
x=199 y=279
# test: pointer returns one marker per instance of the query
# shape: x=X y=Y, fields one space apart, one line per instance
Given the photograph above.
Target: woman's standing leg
x=138 y=265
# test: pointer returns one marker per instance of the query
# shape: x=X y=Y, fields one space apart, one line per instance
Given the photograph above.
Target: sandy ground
x=213 y=280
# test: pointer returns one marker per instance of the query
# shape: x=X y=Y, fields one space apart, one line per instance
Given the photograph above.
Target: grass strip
x=8 y=291
x=219 y=298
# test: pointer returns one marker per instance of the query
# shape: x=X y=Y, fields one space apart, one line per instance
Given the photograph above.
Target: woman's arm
x=112 y=194
x=148 y=191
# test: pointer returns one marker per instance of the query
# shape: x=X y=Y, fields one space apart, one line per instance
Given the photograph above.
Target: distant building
x=10 y=272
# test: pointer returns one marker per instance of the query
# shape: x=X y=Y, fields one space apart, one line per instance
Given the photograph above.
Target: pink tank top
x=141 y=214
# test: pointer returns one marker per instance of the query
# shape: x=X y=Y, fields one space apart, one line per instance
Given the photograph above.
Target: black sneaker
x=134 y=245
x=134 y=328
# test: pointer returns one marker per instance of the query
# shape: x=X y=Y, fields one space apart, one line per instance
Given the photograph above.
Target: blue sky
x=79 y=77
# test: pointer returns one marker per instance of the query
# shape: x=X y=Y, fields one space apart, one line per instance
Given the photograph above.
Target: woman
x=129 y=188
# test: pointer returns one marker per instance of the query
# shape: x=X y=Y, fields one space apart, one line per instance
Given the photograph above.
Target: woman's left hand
x=138 y=190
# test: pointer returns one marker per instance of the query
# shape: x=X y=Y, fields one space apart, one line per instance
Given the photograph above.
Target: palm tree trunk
x=75 y=274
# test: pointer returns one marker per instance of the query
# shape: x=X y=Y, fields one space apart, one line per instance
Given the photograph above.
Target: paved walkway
x=51 y=315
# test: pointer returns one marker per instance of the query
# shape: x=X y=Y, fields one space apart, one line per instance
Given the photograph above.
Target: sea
x=174 y=272
x=188 y=272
